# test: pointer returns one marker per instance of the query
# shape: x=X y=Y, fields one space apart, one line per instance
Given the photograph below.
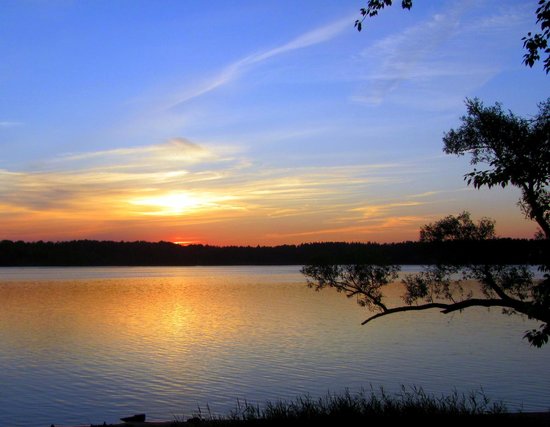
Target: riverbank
x=364 y=408
x=530 y=419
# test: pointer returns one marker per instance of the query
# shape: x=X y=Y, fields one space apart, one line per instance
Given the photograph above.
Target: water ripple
x=92 y=345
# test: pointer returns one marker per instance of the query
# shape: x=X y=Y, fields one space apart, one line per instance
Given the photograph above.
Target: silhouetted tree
x=534 y=43
x=441 y=286
x=515 y=151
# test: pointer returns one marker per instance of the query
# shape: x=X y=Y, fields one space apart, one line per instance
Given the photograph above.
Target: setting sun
x=250 y=134
x=179 y=203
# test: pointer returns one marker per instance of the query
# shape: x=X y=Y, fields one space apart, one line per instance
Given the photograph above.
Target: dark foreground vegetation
x=108 y=253
x=368 y=408
x=363 y=408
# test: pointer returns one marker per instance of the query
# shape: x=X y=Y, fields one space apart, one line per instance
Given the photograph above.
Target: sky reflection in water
x=95 y=344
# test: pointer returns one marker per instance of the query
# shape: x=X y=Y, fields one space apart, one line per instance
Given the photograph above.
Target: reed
x=360 y=408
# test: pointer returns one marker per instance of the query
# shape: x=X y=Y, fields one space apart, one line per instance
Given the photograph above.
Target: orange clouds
x=180 y=191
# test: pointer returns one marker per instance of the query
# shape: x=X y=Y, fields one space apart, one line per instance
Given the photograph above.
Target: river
x=87 y=345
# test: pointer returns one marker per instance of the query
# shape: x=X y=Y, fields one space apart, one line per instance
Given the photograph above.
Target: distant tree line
x=141 y=253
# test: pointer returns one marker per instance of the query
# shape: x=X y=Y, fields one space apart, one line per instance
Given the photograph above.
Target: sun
x=174 y=204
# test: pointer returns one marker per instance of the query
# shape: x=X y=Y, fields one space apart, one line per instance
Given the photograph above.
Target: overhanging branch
x=490 y=281
x=447 y=308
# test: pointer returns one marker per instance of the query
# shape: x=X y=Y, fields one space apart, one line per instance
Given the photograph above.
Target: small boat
x=137 y=418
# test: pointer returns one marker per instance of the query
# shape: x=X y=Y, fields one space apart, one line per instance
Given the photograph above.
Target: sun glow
x=178 y=203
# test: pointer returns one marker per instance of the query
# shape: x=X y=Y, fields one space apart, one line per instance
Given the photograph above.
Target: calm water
x=87 y=345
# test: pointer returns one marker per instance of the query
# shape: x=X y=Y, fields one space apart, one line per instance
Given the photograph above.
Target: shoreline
x=513 y=418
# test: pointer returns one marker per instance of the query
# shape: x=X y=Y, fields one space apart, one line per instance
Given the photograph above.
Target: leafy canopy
x=512 y=150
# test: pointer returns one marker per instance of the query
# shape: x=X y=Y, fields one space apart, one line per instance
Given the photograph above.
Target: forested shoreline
x=141 y=253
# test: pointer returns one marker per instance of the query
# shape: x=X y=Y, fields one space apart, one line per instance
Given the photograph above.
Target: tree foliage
x=459 y=227
x=535 y=44
x=513 y=151
x=374 y=6
x=441 y=286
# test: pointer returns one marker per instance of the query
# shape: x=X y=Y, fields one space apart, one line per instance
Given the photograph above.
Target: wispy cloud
x=208 y=194
x=396 y=58
x=383 y=229
x=9 y=124
x=310 y=38
x=176 y=149
x=375 y=211
x=431 y=54
x=180 y=146
x=238 y=68
x=183 y=184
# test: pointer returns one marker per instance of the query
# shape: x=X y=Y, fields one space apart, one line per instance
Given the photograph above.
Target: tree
x=512 y=288
x=515 y=151
x=535 y=44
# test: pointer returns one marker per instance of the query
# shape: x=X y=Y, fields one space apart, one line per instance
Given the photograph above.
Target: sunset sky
x=250 y=122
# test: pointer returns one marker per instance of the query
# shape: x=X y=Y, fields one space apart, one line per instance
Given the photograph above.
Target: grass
x=367 y=408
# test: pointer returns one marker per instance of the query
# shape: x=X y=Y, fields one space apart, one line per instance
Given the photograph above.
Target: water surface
x=87 y=345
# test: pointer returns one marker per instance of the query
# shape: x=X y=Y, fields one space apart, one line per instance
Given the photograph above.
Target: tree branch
x=481 y=302
x=537 y=211
x=449 y=308
x=405 y=308
x=489 y=280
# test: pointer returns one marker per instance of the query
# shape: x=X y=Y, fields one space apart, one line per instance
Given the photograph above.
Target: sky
x=250 y=122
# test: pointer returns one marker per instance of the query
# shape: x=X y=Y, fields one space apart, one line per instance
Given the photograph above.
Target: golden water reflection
x=157 y=311
x=164 y=340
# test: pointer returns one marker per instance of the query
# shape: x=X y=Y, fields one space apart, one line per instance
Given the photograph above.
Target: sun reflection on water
x=163 y=343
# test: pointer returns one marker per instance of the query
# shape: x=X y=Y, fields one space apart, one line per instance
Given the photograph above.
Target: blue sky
x=250 y=122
